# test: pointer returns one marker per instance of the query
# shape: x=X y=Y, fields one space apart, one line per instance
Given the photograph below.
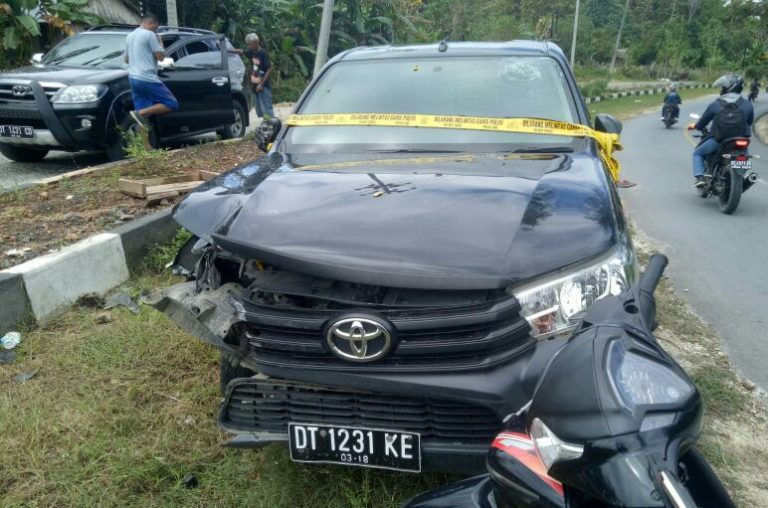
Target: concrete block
x=54 y=282
x=140 y=235
x=14 y=306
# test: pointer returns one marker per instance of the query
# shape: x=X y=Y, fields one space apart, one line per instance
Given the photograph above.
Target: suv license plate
x=354 y=446
x=17 y=131
x=742 y=165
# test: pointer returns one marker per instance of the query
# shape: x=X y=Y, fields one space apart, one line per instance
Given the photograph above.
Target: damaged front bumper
x=456 y=411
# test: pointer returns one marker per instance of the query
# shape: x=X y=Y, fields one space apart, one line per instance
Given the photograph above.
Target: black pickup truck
x=385 y=294
x=76 y=97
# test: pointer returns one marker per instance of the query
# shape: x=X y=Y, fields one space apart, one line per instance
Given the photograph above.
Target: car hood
x=448 y=222
x=66 y=75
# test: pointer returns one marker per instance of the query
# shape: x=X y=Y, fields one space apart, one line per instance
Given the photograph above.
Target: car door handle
x=220 y=80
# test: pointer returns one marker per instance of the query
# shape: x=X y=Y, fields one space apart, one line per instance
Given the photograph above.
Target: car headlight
x=557 y=306
x=640 y=381
x=550 y=448
x=78 y=94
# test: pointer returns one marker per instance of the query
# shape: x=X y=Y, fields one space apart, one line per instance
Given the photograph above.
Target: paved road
x=721 y=260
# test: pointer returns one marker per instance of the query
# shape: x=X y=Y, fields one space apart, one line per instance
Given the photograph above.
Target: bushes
x=594 y=88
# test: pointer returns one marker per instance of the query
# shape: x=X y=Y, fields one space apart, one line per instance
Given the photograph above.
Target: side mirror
x=695 y=116
x=167 y=63
x=267 y=133
x=607 y=123
x=36 y=59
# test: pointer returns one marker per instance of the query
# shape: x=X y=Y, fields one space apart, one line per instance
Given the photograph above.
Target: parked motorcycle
x=668 y=116
x=728 y=171
x=612 y=423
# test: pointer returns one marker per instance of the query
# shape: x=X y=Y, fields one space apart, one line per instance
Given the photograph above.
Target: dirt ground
x=44 y=218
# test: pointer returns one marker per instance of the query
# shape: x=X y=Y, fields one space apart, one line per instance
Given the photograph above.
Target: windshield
x=497 y=86
x=89 y=50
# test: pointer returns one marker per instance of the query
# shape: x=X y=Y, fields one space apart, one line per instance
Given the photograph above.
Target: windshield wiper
x=544 y=149
x=103 y=58
x=71 y=54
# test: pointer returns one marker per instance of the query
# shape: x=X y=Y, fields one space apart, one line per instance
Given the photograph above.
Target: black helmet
x=730 y=83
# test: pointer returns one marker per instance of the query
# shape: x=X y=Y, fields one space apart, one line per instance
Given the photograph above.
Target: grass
x=118 y=414
x=628 y=107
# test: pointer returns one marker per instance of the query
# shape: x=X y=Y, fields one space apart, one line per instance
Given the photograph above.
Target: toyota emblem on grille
x=360 y=338
x=21 y=90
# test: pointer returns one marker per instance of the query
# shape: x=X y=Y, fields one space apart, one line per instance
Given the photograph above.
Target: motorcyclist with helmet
x=673 y=100
x=731 y=116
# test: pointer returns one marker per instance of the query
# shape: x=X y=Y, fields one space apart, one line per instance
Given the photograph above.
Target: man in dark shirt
x=260 y=75
x=672 y=99
x=729 y=93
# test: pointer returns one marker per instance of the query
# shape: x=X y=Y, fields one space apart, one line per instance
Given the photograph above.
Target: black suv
x=386 y=294
x=77 y=96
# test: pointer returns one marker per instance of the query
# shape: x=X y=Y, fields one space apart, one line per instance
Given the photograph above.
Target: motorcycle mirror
x=695 y=116
x=607 y=123
x=267 y=133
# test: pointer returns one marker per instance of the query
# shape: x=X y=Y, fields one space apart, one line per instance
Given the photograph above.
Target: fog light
x=85 y=123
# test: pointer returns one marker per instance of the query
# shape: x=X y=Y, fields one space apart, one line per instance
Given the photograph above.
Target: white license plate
x=741 y=165
x=354 y=446
x=17 y=131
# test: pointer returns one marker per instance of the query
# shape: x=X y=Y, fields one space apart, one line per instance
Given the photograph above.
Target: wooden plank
x=135 y=188
x=138 y=188
x=155 y=199
x=79 y=172
x=207 y=175
x=173 y=187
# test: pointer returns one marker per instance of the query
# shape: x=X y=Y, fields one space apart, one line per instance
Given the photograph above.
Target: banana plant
x=17 y=24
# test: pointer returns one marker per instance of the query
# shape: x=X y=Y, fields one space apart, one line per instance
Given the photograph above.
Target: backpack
x=730 y=121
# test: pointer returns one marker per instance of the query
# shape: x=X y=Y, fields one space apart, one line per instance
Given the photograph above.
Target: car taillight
x=742 y=143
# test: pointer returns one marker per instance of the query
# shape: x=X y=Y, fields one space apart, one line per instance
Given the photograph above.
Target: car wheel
x=236 y=129
x=116 y=148
x=21 y=154
x=229 y=371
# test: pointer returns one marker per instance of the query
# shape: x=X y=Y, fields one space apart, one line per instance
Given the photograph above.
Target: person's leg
x=265 y=102
x=163 y=101
x=257 y=105
x=676 y=112
x=708 y=147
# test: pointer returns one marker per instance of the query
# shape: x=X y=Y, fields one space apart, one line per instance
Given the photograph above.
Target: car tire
x=229 y=369
x=237 y=129
x=116 y=148
x=22 y=154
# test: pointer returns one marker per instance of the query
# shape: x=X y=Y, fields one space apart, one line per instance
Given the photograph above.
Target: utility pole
x=575 y=32
x=325 y=33
x=618 y=38
x=170 y=9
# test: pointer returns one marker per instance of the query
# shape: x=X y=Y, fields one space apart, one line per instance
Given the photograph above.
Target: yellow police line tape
x=608 y=143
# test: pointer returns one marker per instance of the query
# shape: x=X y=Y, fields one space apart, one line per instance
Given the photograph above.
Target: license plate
x=17 y=131
x=741 y=165
x=354 y=446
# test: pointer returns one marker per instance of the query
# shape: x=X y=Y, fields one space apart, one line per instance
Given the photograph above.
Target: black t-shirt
x=259 y=62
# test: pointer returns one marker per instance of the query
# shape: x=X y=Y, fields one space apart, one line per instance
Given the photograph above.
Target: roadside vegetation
x=35 y=220
x=123 y=407
x=627 y=107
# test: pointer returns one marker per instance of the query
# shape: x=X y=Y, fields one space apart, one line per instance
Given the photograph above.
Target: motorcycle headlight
x=550 y=448
x=557 y=306
x=639 y=381
x=79 y=94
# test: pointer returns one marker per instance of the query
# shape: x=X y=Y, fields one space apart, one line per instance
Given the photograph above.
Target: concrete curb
x=645 y=91
x=47 y=286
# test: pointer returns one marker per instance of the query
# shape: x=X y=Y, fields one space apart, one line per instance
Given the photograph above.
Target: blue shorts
x=149 y=93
